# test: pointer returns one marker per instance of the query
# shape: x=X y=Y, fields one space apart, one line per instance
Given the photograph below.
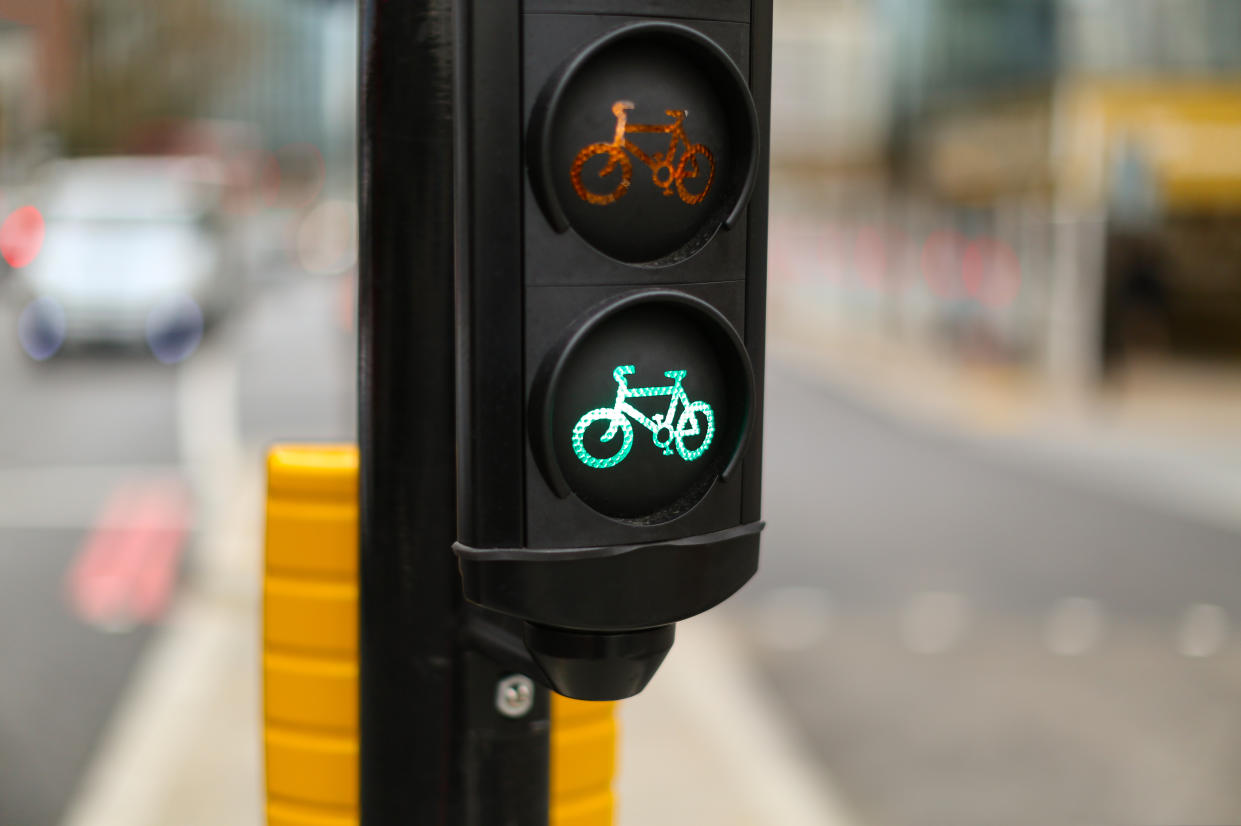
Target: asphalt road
x=82 y=438
x=71 y=431
x=966 y=639
x=961 y=637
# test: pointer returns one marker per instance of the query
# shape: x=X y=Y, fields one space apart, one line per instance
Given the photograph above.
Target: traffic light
x=611 y=284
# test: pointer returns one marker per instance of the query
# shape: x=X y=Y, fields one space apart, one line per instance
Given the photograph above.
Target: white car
x=135 y=249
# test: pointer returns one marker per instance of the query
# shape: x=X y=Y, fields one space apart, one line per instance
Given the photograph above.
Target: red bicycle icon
x=695 y=164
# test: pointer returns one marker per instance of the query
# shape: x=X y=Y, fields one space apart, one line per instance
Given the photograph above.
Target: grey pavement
x=190 y=725
x=889 y=510
x=60 y=678
x=70 y=432
x=73 y=430
x=945 y=630
x=969 y=637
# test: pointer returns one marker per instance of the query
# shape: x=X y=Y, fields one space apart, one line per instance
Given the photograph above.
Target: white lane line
x=934 y=622
x=1203 y=631
x=207 y=402
x=66 y=497
x=705 y=735
x=209 y=439
x=208 y=424
x=1074 y=627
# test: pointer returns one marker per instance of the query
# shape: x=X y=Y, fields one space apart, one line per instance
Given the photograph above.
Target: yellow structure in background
x=1187 y=130
x=310 y=659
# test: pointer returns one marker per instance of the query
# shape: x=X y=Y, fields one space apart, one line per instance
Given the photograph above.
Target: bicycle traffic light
x=611 y=286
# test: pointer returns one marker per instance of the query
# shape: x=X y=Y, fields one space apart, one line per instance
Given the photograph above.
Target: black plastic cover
x=613 y=588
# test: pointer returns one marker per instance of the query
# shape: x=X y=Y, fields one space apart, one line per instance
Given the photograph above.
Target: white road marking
x=1074 y=627
x=208 y=412
x=933 y=622
x=65 y=497
x=1203 y=631
x=706 y=718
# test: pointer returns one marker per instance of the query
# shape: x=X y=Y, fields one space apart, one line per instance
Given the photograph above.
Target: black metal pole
x=410 y=666
x=434 y=748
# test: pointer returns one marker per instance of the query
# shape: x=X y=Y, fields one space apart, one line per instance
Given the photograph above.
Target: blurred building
x=1089 y=149
x=296 y=57
x=49 y=26
x=831 y=86
x=37 y=48
x=103 y=74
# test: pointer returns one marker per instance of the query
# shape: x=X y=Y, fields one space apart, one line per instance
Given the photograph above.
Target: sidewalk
x=701 y=745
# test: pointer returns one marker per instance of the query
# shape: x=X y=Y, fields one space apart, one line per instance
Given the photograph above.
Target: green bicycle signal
x=664 y=433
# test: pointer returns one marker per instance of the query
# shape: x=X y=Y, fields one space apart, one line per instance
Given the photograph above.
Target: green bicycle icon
x=661 y=427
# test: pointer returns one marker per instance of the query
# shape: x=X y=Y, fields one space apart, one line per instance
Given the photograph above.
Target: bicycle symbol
x=666 y=171
x=665 y=435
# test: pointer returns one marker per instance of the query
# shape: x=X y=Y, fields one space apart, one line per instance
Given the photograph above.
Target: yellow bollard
x=583 y=762
x=310 y=629
x=310 y=665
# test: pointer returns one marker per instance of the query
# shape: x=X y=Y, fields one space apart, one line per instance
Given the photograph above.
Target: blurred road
x=71 y=432
x=967 y=639
x=962 y=637
x=97 y=480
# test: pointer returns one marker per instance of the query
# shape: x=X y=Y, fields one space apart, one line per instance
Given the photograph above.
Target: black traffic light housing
x=611 y=285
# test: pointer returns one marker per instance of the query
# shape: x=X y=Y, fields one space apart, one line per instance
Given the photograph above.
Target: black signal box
x=611 y=290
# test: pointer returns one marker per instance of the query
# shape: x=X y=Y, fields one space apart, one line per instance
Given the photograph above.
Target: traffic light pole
x=434 y=746
x=517 y=274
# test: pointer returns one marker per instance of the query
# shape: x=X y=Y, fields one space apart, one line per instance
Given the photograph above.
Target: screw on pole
x=515 y=696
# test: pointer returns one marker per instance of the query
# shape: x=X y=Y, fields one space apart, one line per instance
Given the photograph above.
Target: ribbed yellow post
x=310 y=629
x=310 y=660
x=583 y=762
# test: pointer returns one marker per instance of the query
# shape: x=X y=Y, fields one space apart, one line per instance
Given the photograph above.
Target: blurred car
x=136 y=248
